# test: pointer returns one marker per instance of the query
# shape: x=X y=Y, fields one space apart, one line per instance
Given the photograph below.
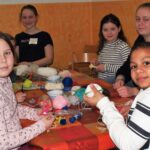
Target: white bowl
x=54 y=93
x=53 y=78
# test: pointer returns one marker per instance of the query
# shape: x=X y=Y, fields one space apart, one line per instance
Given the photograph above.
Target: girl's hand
x=120 y=81
x=118 y=84
x=95 y=98
x=125 y=109
x=126 y=91
x=48 y=120
x=20 y=96
x=100 y=68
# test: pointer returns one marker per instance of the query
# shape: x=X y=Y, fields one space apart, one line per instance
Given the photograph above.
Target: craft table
x=85 y=134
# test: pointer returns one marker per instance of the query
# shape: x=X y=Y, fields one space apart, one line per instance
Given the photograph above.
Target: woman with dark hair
x=33 y=45
x=113 y=49
x=123 y=74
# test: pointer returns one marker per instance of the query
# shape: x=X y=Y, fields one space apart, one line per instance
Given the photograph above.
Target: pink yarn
x=59 y=102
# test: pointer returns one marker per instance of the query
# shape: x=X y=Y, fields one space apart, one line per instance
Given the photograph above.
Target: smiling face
x=140 y=67
x=143 y=21
x=6 y=59
x=28 y=19
x=110 y=32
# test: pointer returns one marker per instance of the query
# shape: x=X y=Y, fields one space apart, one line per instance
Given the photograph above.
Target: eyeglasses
x=145 y=19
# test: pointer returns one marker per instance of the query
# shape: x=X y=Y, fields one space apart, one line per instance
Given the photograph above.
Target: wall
x=72 y=25
x=125 y=10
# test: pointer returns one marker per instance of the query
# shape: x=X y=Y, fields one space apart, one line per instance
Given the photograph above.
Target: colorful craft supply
x=73 y=100
x=54 y=93
x=79 y=93
x=65 y=108
x=75 y=117
x=59 y=102
x=53 y=78
x=63 y=122
x=27 y=83
x=68 y=83
x=89 y=91
x=74 y=89
x=46 y=106
x=65 y=73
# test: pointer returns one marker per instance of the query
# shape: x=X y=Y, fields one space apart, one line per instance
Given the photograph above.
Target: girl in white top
x=136 y=133
x=12 y=136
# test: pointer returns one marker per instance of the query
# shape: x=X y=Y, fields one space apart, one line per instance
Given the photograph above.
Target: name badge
x=33 y=40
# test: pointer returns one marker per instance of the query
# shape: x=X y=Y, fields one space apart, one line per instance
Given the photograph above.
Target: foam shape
x=46 y=71
x=59 y=102
x=53 y=78
x=89 y=91
x=27 y=83
x=65 y=73
x=21 y=69
x=53 y=86
x=91 y=66
x=75 y=88
x=54 y=93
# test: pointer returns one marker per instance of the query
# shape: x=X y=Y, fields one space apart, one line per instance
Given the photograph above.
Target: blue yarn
x=68 y=83
x=63 y=121
x=75 y=117
x=65 y=108
x=72 y=119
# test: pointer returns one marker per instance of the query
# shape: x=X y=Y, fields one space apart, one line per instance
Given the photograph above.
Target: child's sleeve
x=121 y=135
x=26 y=112
x=9 y=138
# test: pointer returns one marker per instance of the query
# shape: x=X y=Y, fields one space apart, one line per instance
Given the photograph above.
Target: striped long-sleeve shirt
x=136 y=134
x=113 y=55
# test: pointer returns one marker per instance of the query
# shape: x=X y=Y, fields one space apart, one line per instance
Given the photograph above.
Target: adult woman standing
x=143 y=28
x=33 y=45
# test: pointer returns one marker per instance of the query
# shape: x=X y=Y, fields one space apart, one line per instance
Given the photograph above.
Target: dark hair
x=144 y=5
x=10 y=36
x=5 y=37
x=140 y=45
x=30 y=7
x=115 y=20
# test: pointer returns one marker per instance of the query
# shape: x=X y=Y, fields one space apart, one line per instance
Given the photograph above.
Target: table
x=83 y=135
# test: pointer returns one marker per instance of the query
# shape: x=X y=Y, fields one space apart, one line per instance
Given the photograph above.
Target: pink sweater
x=11 y=133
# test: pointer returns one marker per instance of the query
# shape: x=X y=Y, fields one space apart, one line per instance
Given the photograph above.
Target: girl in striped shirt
x=113 y=49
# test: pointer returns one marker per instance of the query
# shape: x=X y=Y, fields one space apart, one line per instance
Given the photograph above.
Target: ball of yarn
x=59 y=102
x=68 y=83
x=79 y=93
x=89 y=91
x=63 y=121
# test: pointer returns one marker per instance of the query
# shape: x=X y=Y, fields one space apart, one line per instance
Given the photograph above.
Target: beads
x=59 y=120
